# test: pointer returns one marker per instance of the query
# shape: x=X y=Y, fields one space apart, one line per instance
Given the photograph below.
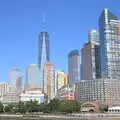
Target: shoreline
x=85 y=116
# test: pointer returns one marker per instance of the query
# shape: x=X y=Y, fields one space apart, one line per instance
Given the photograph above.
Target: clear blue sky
x=68 y=22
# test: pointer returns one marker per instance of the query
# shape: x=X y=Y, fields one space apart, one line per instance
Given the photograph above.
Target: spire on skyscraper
x=44 y=21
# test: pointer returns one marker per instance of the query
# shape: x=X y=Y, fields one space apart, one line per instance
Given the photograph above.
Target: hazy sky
x=68 y=22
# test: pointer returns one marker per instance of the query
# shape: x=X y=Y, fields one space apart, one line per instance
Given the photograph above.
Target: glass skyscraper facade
x=15 y=75
x=32 y=76
x=93 y=35
x=109 y=32
x=44 y=53
x=74 y=66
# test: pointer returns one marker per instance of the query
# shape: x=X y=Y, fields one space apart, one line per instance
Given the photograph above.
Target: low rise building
x=32 y=94
x=4 y=88
x=66 y=92
x=8 y=94
x=11 y=97
x=106 y=91
x=114 y=109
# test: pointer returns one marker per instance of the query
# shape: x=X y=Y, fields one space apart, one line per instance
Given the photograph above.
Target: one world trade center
x=44 y=53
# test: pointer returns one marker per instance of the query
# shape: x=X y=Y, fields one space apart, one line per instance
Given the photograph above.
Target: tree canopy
x=55 y=106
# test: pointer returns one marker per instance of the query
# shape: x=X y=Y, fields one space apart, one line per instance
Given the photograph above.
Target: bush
x=1 y=107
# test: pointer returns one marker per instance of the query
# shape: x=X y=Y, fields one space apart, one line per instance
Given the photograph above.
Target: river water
x=5 y=118
x=62 y=117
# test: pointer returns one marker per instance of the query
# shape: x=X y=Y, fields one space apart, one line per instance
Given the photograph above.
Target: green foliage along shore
x=55 y=106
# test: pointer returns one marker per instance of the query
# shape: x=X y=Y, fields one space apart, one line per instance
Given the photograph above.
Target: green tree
x=1 y=107
x=69 y=106
x=43 y=108
x=21 y=107
x=7 y=109
x=54 y=105
x=32 y=106
x=104 y=108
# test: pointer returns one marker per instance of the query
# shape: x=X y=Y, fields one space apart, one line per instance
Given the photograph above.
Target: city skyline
x=21 y=44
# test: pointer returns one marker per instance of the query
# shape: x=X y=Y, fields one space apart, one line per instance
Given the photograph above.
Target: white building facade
x=33 y=94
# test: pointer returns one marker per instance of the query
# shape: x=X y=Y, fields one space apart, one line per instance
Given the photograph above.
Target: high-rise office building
x=44 y=53
x=49 y=83
x=109 y=30
x=90 y=57
x=56 y=82
x=4 y=88
x=14 y=75
x=74 y=66
x=62 y=79
x=93 y=35
x=33 y=76
x=19 y=84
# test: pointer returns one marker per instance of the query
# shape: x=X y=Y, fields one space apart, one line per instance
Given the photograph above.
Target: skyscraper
x=93 y=35
x=90 y=57
x=44 y=53
x=62 y=79
x=49 y=83
x=109 y=28
x=74 y=66
x=14 y=75
x=19 y=84
x=33 y=76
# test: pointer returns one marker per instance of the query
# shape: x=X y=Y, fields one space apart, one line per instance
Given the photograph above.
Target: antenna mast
x=44 y=21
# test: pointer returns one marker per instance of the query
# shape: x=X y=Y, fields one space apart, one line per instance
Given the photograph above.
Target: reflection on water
x=56 y=119
x=61 y=117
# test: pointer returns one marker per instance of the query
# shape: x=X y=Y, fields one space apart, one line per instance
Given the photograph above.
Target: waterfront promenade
x=87 y=116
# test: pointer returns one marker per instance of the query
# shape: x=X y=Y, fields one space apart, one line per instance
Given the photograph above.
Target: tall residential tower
x=90 y=57
x=49 y=82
